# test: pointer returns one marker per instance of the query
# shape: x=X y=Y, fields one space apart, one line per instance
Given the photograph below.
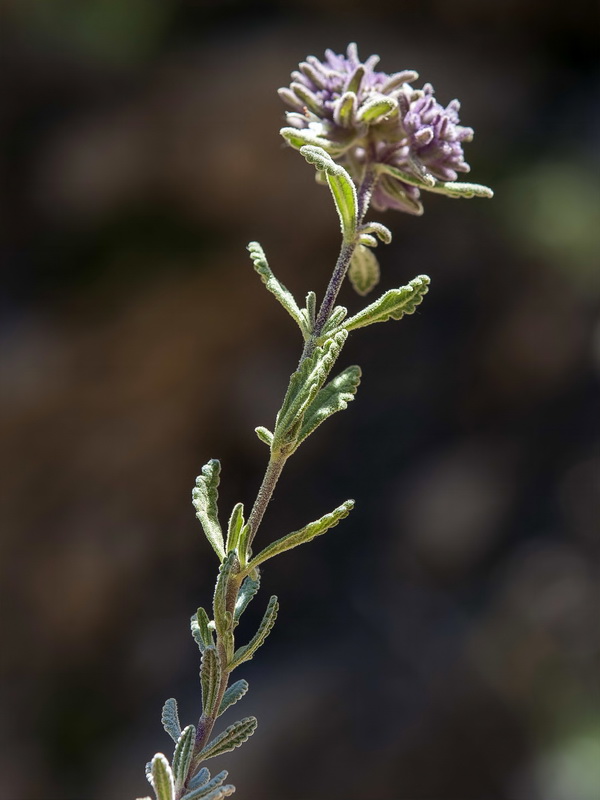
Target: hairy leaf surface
x=232 y=737
x=162 y=778
x=285 y=297
x=234 y=693
x=182 y=756
x=205 y=790
x=334 y=396
x=246 y=652
x=170 y=719
x=303 y=387
x=204 y=498
x=199 y=625
x=341 y=185
x=210 y=678
x=431 y=184
x=364 y=270
x=247 y=591
x=305 y=534
x=392 y=305
x=229 y=567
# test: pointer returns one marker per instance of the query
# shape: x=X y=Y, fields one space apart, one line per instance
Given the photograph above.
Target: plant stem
x=365 y=190
x=277 y=462
x=265 y=493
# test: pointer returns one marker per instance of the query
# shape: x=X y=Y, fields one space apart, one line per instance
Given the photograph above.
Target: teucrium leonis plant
x=374 y=140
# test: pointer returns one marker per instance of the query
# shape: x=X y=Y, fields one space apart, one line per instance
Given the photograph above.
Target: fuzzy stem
x=265 y=493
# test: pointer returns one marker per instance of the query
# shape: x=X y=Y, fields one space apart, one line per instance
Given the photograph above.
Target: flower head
x=363 y=117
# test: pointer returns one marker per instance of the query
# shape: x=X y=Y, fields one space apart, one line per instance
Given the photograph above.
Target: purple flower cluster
x=363 y=117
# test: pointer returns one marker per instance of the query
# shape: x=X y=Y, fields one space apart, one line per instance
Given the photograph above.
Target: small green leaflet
x=276 y=288
x=182 y=756
x=210 y=679
x=383 y=233
x=246 y=652
x=236 y=523
x=232 y=737
x=162 y=778
x=248 y=590
x=229 y=566
x=234 y=693
x=303 y=387
x=204 y=498
x=200 y=627
x=208 y=788
x=170 y=719
x=392 y=305
x=264 y=434
x=300 y=138
x=364 y=270
x=334 y=396
x=449 y=188
x=305 y=534
x=341 y=185
x=199 y=779
x=376 y=108
x=216 y=794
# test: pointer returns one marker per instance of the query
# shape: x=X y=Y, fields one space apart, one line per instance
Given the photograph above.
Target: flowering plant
x=373 y=139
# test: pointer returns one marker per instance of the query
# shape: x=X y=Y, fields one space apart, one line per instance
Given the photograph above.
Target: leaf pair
x=304 y=406
x=205 y=497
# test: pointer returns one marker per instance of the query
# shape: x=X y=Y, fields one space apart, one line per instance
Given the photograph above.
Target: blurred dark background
x=440 y=644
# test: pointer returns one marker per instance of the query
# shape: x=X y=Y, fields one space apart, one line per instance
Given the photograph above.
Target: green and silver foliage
x=311 y=398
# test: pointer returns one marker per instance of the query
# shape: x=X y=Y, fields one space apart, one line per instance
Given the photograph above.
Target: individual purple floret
x=363 y=117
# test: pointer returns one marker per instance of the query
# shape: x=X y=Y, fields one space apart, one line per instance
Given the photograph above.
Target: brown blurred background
x=440 y=644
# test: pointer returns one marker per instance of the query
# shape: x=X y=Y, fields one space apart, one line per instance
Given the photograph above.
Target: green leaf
x=392 y=305
x=243 y=544
x=204 y=499
x=246 y=652
x=449 y=188
x=247 y=591
x=170 y=719
x=299 y=138
x=306 y=534
x=199 y=779
x=311 y=308
x=276 y=288
x=344 y=111
x=216 y=794
x=162 y=778
x=264 y=435
x=376 y=108
x=303 y=387
x=210 y=679
x=367 y=240
x=207 y=790
x=200 y=626
x=337 y=316
x=234 y=693
x=333 y=397
x=341 y=185
x=234 y=528
x=182 y=757
x=381 y=231
x=364 y=270
x=355 y=80
x=223 y=618
x=232 y=737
